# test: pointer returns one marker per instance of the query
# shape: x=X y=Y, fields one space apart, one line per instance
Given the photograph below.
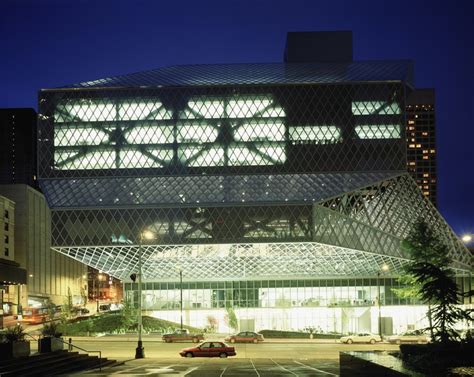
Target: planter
x=14 y=350
x=50 y=344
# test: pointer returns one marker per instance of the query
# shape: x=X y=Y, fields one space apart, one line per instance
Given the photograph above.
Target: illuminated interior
x=207 y=131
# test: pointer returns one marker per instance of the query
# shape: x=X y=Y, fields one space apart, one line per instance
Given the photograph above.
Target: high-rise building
x=18 y=146
x=421 y=141
x=278 y=189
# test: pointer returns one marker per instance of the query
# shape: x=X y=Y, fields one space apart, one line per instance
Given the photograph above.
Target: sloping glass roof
x=203 y=190
x=260 y=74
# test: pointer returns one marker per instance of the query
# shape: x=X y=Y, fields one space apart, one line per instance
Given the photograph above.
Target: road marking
x=316 y=369
x=282 y=367
x=192 y=370
x=256 y=371
x=224 y=371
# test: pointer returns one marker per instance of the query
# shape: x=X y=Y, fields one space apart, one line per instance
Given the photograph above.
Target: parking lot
x=268 y=367
x=273 y=357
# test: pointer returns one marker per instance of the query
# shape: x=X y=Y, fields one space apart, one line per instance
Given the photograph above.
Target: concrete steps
x=52 y=363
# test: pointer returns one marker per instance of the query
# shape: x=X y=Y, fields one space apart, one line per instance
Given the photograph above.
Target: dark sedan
x=245 y=337
x=209 y=349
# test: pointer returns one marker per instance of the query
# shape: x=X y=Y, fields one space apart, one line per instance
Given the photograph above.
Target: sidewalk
x=131 y=337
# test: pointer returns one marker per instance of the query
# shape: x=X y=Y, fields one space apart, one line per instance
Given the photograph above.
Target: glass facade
x=280 y=195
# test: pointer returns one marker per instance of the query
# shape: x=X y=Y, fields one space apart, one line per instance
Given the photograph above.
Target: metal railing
x=70 y=347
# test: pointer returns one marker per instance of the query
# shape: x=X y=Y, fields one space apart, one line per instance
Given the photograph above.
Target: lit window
x=411 y=146
x=412 y=163
x=426 y=175
x=411 y=122
x=425 y=157
x=424 y=133
x=425 y=151
x=418 y=145
x=382 y=131
x=375 y=107
x=426 y=193
x=432 y=151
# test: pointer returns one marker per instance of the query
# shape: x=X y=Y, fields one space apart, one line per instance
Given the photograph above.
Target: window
x=6 y=227
x=6 y=239
x=7 y=252
x=6 y=213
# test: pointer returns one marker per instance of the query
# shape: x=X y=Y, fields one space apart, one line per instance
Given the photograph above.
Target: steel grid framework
x=351 y=234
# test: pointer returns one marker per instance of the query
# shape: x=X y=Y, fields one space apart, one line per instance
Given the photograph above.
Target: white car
x=362 y=337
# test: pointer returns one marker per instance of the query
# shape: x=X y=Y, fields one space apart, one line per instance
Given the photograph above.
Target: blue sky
x=49 y=43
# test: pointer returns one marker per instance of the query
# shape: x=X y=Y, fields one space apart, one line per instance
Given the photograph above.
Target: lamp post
x=181 y=296
x=99 y=283
x=384 y=269
x=140 y=351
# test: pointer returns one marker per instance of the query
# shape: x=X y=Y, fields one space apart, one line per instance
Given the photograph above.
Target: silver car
x=415 y=336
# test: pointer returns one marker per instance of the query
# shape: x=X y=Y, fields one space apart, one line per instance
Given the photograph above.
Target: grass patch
x=117 y=323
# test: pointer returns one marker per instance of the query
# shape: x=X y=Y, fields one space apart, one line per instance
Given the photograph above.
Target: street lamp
x=140 y=351
x=466 y=238
x=384 y=268
x=181 y=296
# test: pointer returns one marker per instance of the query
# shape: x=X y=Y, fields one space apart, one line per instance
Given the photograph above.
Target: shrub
x=51 y=329
x=436 y=358
x=14 y=334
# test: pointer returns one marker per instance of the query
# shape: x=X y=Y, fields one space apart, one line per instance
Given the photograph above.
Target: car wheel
x=232 y=340
x=189 y=354
x=372 y=341
x=223 y=355
x=195 y=340
x=349 y=341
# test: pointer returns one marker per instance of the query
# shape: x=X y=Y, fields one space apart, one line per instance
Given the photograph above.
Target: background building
x=18 y=146
x=12 y=276
x=50 y=275
x=278 y=190
x=421 y=141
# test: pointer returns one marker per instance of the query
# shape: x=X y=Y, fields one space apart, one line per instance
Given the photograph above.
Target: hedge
x=297 y=334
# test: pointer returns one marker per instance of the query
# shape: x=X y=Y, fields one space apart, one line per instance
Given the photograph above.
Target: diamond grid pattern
x=203 y=189
x=255 y=74
x=236 y=178
x=346 y=234
x=231 y=261
x=390 y=207
x=184 y=131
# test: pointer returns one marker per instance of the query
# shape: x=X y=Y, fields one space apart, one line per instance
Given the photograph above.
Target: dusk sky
x=50 y=43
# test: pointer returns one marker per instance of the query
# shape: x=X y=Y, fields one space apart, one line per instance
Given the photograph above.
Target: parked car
x=244 y=337
x=209 y=349
x=182 y=335
x=415 y=336
x=361 y=338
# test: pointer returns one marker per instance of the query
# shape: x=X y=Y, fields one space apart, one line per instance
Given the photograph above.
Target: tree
x=422 y=246
x=429 y=278
x=231 y=318
x=67 y=306
x=439 y=288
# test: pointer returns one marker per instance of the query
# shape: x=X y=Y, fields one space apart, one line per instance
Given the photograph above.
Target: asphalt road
x=123 y=348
